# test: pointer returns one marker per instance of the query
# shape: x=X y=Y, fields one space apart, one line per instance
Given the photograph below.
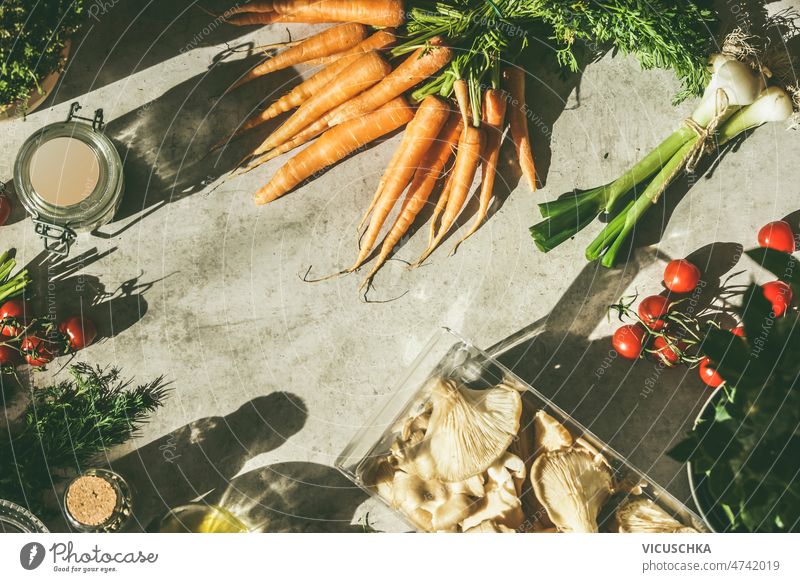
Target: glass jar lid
x=68 y=175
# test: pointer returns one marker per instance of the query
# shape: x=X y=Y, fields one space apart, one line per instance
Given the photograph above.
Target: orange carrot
x=372 y=12
x=304 y=136
x=405 y=76
x=305 y=90
x=335 y=144
x=379 y=40
x=462 y=97
x=360 y=75
x=390 y=171
x=494 y=114
x=425 y=179
x=419 y=136
x=432 y=167
x=441 y=203
x=329 y=41
x=463 y=172
x=515 y=82
x=422 y=63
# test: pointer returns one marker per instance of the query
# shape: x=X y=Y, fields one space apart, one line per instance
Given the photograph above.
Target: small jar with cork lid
x=98 y=500
x=69 y=177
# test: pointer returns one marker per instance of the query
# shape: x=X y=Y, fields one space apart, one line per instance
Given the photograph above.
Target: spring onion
x=11 y=286
x=734 y=101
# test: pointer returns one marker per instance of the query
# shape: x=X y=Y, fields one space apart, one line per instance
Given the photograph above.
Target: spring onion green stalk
x=11 y=286
x=567 y=216
x=773 y=105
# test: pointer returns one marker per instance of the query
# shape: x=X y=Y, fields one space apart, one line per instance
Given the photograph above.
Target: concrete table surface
x=273 y=375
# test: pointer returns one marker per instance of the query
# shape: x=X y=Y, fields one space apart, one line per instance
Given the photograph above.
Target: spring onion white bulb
x=716 y=60
x=741 y=84
x=774 y=104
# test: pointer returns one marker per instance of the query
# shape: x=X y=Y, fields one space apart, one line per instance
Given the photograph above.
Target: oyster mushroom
x=435 y=505
x=501 y=504
x=644 y=516
x=551 y=435
x=468 y=431
x=572 y=486
x=489 y=526
x=417 y=423
x=379 y=476
x=582 y=444
x=446 y=517
x=400 y=447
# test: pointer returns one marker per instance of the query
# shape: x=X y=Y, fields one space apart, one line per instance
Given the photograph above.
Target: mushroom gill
x=467 y=432
x=572 y=486
x=644 y=516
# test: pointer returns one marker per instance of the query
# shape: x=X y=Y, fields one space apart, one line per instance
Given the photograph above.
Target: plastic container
x=449 y=356
x=58 y=220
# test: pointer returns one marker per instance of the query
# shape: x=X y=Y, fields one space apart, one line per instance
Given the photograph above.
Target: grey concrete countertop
x=273 y=375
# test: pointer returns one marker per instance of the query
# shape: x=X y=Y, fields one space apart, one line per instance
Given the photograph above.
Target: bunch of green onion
x=735 y=101
x=11 y=285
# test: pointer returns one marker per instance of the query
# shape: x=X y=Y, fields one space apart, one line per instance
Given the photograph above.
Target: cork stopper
x=91 y=500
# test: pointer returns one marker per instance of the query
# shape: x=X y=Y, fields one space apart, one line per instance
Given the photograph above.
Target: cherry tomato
x=777 y=235
x=79 y=331
x=779 y=294
x=5 y=209
x=738 y=330
x=629 y=341
x=666 y=353
x=8 y=356
x=709 y=375
x=38 y=352
x=681 y=276
x=15 y=308
x=652 y=309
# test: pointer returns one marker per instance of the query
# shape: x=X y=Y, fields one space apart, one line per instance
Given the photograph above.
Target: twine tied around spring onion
x=704 y=144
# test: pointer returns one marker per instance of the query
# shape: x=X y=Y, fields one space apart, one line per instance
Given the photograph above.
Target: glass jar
x=16 y=519
x=123 y=506
x=69 y=177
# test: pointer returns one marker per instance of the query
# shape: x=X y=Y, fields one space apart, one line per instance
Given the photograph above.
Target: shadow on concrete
x=293 y=497
x=59 y=290
x=124 y=37
x=637 y=407
x=166 y=143
x=201 y=459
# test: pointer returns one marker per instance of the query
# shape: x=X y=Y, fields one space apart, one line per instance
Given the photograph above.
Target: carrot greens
x=662 y=34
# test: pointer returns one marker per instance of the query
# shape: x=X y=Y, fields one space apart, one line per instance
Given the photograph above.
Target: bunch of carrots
x=359 y=96
x=390 y=63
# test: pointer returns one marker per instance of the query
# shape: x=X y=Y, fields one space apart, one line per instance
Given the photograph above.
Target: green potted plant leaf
x=744 y=451
x=34 y=45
